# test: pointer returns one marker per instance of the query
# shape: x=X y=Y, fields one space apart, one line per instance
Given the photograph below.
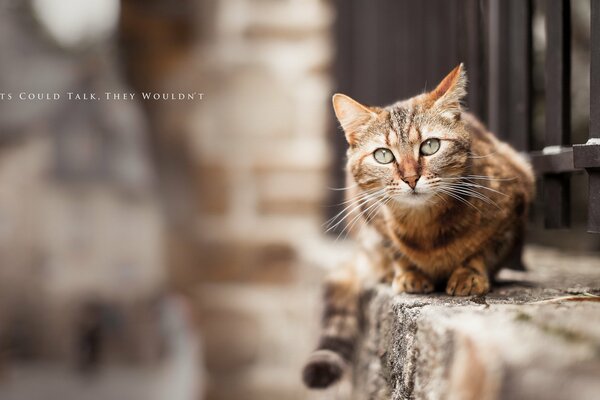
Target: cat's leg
x=469 y=279
x=409 y=279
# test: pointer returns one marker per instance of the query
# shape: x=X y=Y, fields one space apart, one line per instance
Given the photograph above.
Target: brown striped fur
x=417 y=233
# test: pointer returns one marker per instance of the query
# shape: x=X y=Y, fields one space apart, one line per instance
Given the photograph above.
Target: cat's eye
x=430 y=146
x=383 y=156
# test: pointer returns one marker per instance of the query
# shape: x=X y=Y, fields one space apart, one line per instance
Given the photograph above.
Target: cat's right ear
x=352 y=115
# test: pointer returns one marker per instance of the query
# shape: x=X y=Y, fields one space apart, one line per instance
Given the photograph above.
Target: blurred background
x=174 y=249
x=167 y=249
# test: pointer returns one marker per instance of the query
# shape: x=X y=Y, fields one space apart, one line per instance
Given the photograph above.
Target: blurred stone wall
x=80 y=226
x=259 y=141
x=259 y=138
x=245 y=173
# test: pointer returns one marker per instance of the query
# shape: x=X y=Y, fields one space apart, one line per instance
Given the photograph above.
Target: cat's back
x=496 y=159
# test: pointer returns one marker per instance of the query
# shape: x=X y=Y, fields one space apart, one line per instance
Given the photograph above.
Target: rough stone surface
x=535 y=336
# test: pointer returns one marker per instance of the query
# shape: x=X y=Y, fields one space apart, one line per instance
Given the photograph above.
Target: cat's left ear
x=448 y=95
x=352 y=116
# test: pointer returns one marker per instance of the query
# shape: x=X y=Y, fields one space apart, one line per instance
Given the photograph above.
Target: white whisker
x=351 y=209
x=350 y=224
x=458 y=198
x=354 y=200
x=475 y=156
x=362 y=194
x=343 y=188
x=370 y=215
x=474 y=194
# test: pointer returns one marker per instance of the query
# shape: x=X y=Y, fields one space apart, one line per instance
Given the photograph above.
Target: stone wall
x=231 y=209
x=79 y=220
x=260 y=142
x=533 y=337
x=261 y=159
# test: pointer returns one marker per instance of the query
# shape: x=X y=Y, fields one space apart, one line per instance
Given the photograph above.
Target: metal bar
x=595 y=70
x=473 y=55
x=520 y=82
x=594 y=202
x=594 y=174
x=558 y=162
x=510 y=43
x=558 y=72
x=588 y=155
x=556 y=213
x=498 y=74
x=558 y=121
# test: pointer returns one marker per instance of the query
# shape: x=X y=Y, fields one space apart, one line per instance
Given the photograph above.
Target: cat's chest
x=436 y=244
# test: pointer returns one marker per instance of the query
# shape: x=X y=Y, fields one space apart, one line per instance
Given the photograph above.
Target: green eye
x=430 y=146
x=383 y=156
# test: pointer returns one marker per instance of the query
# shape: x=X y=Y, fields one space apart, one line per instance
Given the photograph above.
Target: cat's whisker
x=464 y=186
x=344 y=215
x=353 y=202
x=471 y=186
x=364 y=212
x=371 y=215
x=362 y=194
x=475 y=156
x=354 y=208
x=469 y=192
x=489 y=178
x=479 y=196
x=355 y=198
x=476 y=177
x=458 y=198
x=350 y=224
x=339 y=217
x=440 y=197
x=343 y=188
x=475 y=185
x=383 y=202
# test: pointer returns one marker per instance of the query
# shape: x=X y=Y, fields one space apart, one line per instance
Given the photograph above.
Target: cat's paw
x=467 y=282
x=411 y=282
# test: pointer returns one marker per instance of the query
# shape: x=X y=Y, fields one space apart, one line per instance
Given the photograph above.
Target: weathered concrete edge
x=413 y=346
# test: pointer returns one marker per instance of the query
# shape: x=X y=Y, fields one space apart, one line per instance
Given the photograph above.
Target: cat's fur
x=446 y=221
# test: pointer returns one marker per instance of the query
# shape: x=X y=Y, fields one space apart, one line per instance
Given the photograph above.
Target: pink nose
x=411 y=181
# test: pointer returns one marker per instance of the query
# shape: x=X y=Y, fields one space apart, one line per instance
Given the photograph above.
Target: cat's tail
x=339 y=332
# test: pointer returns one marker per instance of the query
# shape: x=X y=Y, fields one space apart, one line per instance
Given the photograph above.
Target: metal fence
x=387 y=49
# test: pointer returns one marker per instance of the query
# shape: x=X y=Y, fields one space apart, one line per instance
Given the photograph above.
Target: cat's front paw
x=411 y=282
x=466 y=282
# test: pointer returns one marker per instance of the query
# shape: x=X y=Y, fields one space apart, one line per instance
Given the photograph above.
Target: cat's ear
x=448 y=95
x=352 y=115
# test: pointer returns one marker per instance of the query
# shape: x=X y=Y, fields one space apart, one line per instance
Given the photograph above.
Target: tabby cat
x=435 y=202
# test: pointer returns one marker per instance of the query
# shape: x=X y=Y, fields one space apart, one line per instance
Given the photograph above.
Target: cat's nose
x=411 y=181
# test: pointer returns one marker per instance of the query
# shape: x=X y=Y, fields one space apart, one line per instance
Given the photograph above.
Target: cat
x=440 y=203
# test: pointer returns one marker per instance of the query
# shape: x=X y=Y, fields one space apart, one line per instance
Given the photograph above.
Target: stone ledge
x=536 y=336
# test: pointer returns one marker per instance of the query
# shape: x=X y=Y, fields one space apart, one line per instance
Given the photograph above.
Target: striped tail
x=340 y=329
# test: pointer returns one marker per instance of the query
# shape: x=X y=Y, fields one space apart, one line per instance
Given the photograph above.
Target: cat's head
x=406 y=149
